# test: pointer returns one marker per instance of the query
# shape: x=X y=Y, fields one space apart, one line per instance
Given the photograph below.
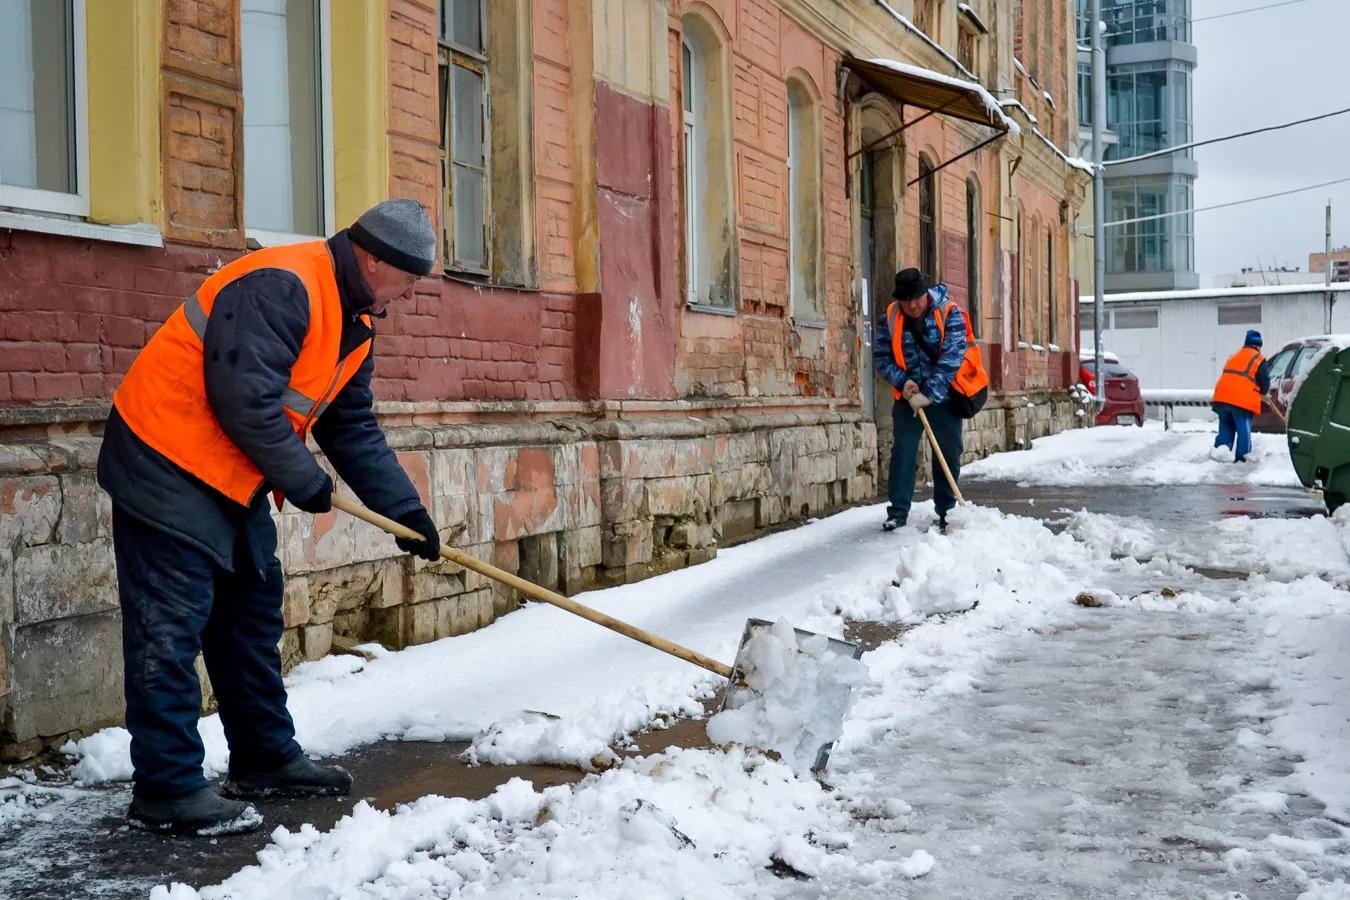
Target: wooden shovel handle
x=937 y=454
x=531 y=589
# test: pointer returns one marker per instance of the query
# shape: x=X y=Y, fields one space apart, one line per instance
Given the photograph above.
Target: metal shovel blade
x=738 y=692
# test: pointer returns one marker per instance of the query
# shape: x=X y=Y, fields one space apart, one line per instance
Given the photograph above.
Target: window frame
x=691 y=71
x=1280 y=362
x=1154 y=311
x=1238 y=309
x=973 y=216
x=804 y=209
x=61 y=203
x=1305 y=356
x=265 y=237
x=929 y=202
x=449 y=55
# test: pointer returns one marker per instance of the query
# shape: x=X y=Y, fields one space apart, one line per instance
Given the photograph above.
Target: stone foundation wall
x=578 y=502
x=1007 y=422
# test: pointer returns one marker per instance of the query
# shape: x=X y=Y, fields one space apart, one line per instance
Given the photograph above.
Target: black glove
x=429 y=546
x=321 y=501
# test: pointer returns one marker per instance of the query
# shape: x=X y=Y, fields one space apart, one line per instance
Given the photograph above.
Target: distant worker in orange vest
x=211 y=418
x=1237 y=396
x=926 y=350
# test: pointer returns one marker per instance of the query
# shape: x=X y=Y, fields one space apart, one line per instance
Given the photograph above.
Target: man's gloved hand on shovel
x=919 y=400
x=429 y=546
x=910 y=389
x=321 y=501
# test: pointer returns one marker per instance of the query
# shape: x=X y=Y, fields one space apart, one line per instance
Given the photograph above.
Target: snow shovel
x=942 y=460
x=738 y=689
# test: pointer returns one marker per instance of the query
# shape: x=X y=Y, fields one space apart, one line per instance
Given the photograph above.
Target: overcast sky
x=1258 y=69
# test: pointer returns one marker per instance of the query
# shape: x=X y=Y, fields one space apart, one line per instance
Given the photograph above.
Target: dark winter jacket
x=260 y=321
x=934 y=359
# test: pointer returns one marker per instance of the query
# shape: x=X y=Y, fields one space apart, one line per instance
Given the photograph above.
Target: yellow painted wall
x=360 y=73
x=123 y=48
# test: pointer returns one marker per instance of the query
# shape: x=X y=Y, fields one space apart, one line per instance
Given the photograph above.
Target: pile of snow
x=797 y=693
x=1127 y=455
x=685 y=823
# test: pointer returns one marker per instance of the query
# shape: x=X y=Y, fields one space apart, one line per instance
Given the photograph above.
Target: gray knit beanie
x=399 y=233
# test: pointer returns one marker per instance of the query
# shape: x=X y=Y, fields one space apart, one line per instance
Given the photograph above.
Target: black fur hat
x=909 y=284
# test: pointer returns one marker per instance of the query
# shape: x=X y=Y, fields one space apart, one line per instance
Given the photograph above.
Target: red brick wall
x=760 y=352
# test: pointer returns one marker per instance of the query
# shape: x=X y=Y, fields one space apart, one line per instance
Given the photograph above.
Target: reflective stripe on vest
x=163 y=398
x=298 y=403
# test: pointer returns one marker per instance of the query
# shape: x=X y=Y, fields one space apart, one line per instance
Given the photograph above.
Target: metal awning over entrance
x=933 y=92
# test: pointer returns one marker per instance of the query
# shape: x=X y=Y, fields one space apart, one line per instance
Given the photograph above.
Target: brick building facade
x=667 y=227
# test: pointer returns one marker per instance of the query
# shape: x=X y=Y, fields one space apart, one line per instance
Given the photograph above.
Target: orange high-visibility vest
x=163 y=397
x=1237 y=385
x=971 y=378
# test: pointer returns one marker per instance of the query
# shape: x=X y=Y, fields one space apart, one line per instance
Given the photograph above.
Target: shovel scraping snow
x=741 y=675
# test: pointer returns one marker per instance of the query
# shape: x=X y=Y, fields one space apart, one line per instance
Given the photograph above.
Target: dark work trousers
x=176 y=602
x=909 y=435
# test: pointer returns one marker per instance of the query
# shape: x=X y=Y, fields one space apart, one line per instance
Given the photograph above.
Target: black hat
x=909 y=285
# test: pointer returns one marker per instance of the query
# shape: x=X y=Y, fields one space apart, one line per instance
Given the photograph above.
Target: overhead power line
x=1228 y=137
x=1183 y=212
x=1238 y=12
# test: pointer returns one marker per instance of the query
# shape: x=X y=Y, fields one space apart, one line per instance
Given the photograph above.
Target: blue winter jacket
x=935 y=364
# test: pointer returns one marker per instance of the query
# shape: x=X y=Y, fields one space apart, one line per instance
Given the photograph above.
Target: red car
x=1287 y=369
x=1124 y=403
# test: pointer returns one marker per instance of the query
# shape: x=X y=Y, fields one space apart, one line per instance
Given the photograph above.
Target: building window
x=803 y=164
x=1136 y=318
x=1240 y=314
x=709 y=223
x=967 y=48
x=1050 y=311
x=692 y=101
x=1084 y=94
x=1148 y=105
x=973 y=253
x=287 y=143
x=1158 y=244
x=1147 y=21
x=43 y=150
x=463 y=71
x=925 y=17
x=928 y=260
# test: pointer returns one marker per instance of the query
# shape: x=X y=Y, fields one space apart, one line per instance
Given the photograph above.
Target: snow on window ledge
x=1023 y=345
x=1054 y=348
x=1038 y=348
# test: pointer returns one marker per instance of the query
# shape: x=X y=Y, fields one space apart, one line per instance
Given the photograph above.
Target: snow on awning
x=926 y=89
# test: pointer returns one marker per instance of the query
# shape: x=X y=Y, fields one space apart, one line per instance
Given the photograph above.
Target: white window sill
x=141 y=235
x=817 y=324
x=711 y=310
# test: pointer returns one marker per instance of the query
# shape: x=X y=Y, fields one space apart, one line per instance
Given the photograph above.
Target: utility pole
x=1098 y=193
x=1327 y=281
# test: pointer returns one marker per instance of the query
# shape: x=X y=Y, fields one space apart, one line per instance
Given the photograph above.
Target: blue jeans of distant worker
x=909 y=435
x=1235 y=424
x=176 y=602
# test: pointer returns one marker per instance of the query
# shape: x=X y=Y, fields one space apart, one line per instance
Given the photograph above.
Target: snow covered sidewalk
x=1186 y=739
x=1127 y=455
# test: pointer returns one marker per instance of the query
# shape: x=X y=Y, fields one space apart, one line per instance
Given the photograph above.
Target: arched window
x=928 y=203
x=1050 y=311
x=804 y=226
x=973 y=219
x=709 y=227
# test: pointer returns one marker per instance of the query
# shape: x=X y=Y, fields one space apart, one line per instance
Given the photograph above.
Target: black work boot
x=892 y=523
x=203 y=813
x=300 y=777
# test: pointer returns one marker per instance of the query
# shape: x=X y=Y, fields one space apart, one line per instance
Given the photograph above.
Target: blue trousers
x=905 y=456
x=177 y=602
x=1234 y=424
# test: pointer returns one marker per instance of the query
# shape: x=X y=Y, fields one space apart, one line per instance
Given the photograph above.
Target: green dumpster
x=1319 y=427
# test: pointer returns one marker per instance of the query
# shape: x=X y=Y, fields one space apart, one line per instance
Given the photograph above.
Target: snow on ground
x=1185 y=741
x=1128 y=455
x=1192 y=732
